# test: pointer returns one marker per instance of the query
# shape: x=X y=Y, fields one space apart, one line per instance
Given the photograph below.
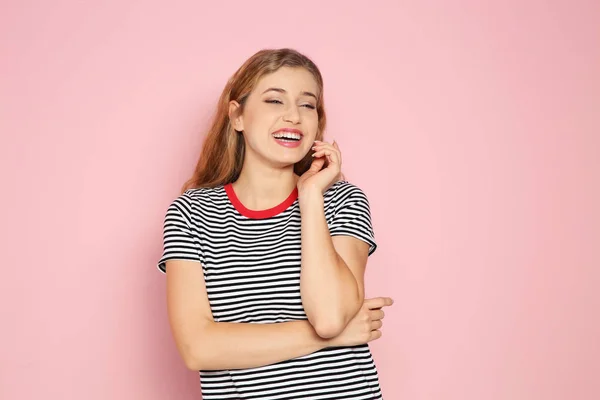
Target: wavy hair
x=223 y=151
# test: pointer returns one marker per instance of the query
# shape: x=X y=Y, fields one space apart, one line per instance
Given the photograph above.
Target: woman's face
x=280 y=119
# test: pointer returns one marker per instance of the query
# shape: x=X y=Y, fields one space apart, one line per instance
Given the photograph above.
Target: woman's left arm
x=333 y=268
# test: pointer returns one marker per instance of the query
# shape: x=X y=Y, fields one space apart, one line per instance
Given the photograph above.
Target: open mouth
x=288 y=137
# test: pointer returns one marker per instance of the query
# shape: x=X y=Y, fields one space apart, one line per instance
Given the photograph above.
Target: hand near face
x=318 y=177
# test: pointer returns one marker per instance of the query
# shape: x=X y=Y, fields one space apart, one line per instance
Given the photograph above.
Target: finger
x=324 y=145
x=377 y=324
x=378 y=302
x=376 y=314
x=337 y=147
x=317 y=164
x=319 y=143
x=375 y=335
x=323 y=152
x=332 y=156
x=329 y=148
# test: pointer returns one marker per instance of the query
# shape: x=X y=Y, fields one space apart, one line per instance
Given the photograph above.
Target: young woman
x=266 y=248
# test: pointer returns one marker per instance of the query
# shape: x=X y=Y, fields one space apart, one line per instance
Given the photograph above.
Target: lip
x=290 y=130
x=289 y=144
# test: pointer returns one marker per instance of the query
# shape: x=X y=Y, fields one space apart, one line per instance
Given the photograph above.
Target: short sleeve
x=179 y=240
x=352 y=215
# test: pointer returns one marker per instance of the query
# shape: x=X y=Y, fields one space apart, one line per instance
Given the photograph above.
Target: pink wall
x=473 y=128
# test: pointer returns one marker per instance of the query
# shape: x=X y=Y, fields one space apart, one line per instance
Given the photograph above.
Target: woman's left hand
x=317 y=177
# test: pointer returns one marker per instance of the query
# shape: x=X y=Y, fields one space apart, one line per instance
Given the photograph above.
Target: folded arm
x=208 y=345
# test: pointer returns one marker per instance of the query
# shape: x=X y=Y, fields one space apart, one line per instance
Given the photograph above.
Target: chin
x=288 y=156
x=285 y=158
x=286 y=161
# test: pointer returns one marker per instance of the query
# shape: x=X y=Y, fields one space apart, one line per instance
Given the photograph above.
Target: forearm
x=330 y=293
x=225 y=345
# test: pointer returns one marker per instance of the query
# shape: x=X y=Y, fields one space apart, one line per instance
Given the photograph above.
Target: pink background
x=473 y=128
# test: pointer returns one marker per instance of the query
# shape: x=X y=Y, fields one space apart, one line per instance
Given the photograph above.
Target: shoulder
x=193 y=201
x=350 y=214
x=344 y=191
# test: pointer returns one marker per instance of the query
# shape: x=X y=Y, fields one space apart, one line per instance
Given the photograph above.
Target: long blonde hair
x=222 y=154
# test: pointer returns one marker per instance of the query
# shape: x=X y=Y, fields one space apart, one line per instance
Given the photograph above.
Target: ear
x=235 y=115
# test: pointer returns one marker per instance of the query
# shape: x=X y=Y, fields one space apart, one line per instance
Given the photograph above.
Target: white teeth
x=287 y=135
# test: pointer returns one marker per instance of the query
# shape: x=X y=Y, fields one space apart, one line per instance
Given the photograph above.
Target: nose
x=292 y=115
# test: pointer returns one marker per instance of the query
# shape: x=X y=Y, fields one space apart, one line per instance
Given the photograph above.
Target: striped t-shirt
x=251 y=264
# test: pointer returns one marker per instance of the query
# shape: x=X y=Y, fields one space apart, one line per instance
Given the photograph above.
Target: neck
x=260 y=187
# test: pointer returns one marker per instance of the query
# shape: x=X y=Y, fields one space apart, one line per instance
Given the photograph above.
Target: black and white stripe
x=252 y=272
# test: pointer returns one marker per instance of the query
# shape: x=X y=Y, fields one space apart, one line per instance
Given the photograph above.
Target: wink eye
x=275 y=101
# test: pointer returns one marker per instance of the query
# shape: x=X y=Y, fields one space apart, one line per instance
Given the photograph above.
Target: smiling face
x=279 y=119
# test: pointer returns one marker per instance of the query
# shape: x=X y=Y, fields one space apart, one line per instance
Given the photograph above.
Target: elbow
x=197 y=357
x=192 y=360
x=197 y=349
x=192 y=364
x=329 y=328
x=199 y=361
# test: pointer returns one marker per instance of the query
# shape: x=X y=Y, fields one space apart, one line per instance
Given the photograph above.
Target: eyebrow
x=280 y=90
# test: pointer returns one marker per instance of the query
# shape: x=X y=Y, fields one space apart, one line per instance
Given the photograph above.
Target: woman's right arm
x=208 y=345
